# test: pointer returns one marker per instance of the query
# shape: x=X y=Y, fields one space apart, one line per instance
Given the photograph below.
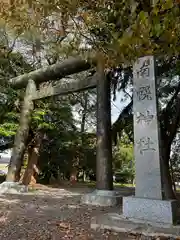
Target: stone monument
x=148 y=203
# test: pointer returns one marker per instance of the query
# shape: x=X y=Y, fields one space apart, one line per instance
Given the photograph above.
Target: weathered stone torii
x=104 y=194
x=30 y=81
x=53 y=72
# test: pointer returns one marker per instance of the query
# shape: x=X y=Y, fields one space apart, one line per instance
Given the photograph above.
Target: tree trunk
x=168 y=133
x=73 y=176
x=18 y=172
x=21 y=137
x=104 y=178
x=33 y=159
x=84 y=176
x=84 y=112
x=83 y=123
x=166 y=176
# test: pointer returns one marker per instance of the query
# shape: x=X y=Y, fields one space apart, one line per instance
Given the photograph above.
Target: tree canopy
x=122 y=30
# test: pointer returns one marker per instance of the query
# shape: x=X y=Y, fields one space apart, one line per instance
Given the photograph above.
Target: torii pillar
x=104 y=195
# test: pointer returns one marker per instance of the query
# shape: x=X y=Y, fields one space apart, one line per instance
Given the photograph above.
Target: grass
x=124 y=184
x=32 y=189
x=93 y=184
x=3 y=166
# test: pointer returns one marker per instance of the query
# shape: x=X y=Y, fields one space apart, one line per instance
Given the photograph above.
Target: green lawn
x=3 y=166
x=93 y=184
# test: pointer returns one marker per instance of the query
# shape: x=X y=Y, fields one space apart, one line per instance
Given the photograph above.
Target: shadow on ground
x=51 y=213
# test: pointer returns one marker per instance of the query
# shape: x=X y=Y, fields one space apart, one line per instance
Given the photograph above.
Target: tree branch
x=121 y=122
x=172 y=130
x=166 y=126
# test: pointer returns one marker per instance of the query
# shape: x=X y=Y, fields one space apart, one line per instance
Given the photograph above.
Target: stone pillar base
x=102 y=198
x=12 y=187
x=150 y=210
x=118 y=223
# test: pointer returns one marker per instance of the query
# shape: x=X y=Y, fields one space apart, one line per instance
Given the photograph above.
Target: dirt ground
x=51 y=214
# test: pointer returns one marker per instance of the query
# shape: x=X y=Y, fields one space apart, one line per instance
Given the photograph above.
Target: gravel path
x=50 y=214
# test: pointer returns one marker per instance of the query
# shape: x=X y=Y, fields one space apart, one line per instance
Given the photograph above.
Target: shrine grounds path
x=52 y=213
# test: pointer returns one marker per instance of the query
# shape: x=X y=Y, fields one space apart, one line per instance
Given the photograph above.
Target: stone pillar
x=146 y=131
x=22 y=134
x=104 y=178
x=148 y=203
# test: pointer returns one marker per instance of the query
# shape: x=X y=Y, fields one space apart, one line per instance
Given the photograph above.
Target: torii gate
x=55 y=72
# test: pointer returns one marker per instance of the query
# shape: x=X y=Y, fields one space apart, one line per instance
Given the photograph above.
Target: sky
x=117 y=106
